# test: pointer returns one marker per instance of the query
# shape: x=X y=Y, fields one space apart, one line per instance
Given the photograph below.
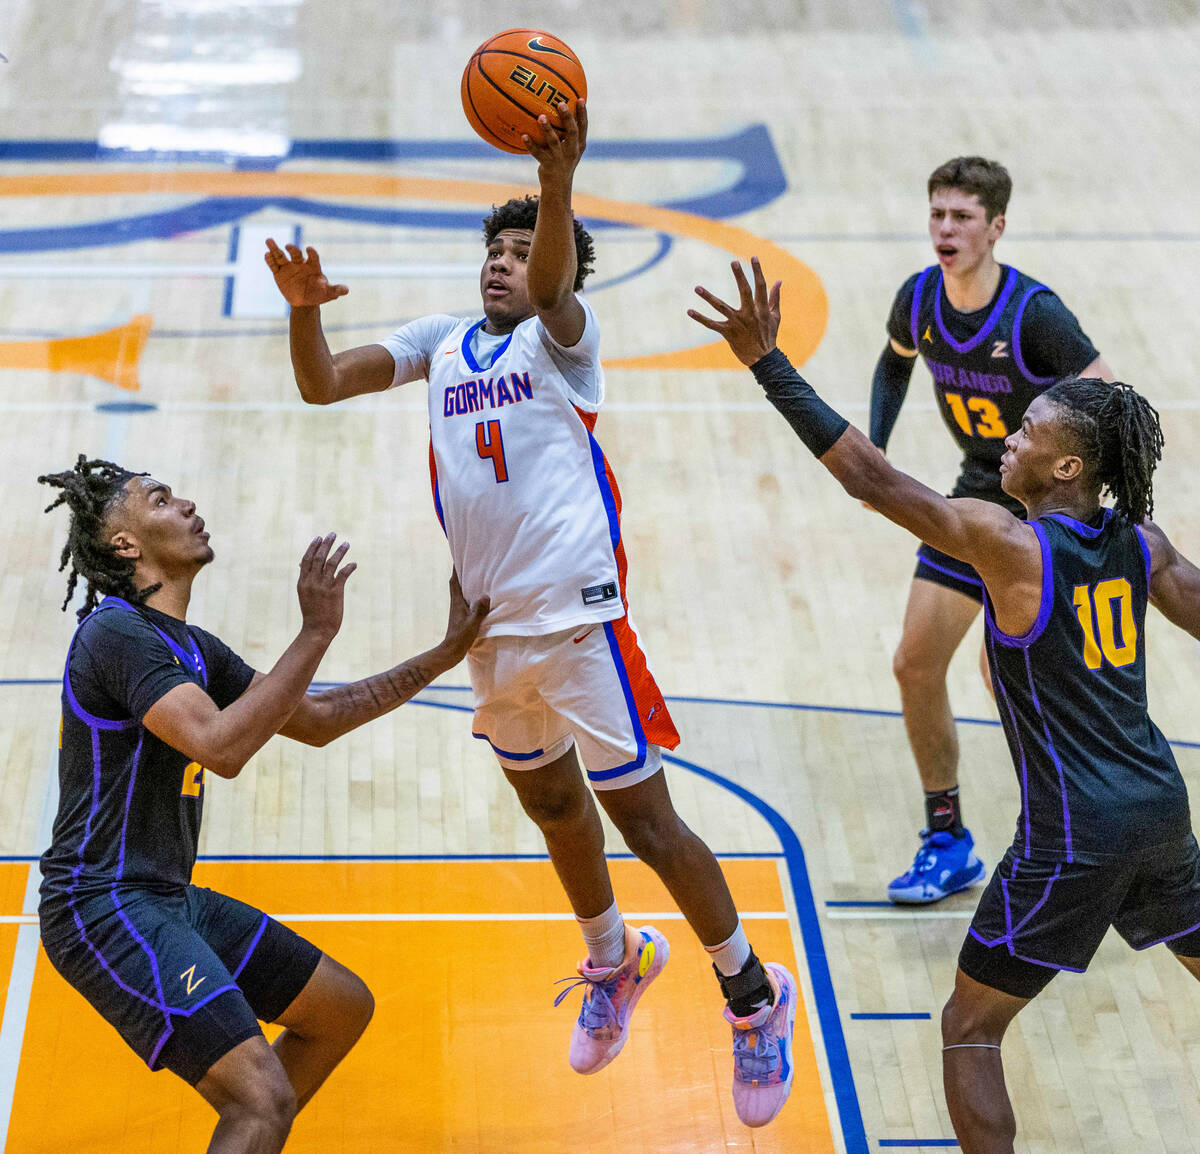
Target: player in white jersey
x=531 y=512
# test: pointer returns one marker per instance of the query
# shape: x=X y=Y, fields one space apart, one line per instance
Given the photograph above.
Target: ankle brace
x=748 y=990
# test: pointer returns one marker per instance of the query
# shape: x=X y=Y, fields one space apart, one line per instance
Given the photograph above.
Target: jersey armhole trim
x=1045 y=604
x=1016 y=337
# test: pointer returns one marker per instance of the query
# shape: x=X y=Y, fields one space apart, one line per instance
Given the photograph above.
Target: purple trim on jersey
x=262 y=928
x=998 y=683
x=606 y=493
x=504 y=752
x=1041 y=901
x=1021 y=957
x=923 y=560
x=125 y=921
x=172 y=1012
x=469 y=356
x=133 y=771
x=1016 y=338
x=1145 y=551
x=83 y=937
x=630 y=704
x=90 y=719
x=1081 y=527
x=1170 y=937
x=1045 y=605
x=966 y=346
x=914 y=312
x=1062 y=783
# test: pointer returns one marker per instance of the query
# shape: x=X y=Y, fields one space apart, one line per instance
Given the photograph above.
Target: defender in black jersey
x=992 y=339
x=152 y=703
x=1104 y=837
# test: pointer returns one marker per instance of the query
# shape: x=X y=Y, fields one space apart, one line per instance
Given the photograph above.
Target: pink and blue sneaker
x=609 y=997
x=762 y=1052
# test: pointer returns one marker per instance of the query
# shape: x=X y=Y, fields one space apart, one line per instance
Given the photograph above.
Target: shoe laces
x=597 y=1010
x=931 y=844
x=755 y=1054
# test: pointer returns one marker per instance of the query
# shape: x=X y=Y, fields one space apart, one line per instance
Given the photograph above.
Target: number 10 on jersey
x=490 y=446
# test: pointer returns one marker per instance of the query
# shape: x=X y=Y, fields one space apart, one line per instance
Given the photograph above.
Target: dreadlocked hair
x=1120 y=437
x=521 y=212
x=90 y=490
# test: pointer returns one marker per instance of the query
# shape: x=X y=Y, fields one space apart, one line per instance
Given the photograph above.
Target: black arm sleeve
x=889 y=386
x=1052 y=342
x=812 y=420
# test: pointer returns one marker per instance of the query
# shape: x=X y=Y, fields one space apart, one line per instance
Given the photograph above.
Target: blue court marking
x=870 y=905
x=126 y=407
x=759 y=180
x=905 y=1017
x=910 y=1142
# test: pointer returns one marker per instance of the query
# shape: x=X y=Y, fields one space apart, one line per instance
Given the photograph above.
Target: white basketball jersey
x=523 y=492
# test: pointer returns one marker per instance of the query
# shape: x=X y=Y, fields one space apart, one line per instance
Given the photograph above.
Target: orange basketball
x=513 y=78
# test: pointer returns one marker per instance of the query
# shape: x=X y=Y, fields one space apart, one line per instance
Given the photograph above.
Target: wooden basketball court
x=146 y=150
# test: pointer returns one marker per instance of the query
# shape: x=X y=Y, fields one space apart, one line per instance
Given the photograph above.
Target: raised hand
x=322 y=584
x=464 y=622
x=559 y=151
x=751 y=328
x=299 y=276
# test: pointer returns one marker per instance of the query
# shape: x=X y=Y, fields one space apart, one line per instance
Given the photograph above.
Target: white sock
x=732 y=954
x=604 y=937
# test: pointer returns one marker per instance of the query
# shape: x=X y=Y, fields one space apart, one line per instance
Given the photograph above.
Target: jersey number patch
x=1094 y=608
x=490 y=446
x=978 y=417
x=193 y=779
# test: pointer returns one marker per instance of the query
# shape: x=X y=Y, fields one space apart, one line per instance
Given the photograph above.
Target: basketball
x=514 y=78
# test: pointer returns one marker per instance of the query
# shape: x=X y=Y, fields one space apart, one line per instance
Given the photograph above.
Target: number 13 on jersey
x=490 y=446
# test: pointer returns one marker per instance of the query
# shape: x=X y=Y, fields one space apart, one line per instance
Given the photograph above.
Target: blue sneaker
x=944 y=865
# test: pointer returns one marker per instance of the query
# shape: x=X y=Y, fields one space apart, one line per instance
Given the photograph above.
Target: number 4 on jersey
x=490 y=446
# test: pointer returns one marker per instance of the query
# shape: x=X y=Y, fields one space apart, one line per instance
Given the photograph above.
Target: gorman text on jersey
x=494 y=393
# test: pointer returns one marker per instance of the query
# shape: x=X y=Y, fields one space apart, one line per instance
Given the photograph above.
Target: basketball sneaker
x=609 y=997
x=762 y=1052
x=944 y=865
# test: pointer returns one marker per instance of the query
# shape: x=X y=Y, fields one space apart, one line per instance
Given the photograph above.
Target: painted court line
x=899 y=914
x=662 y=916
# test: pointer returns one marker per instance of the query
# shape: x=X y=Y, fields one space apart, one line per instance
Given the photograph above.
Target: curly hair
x=1119 y=437
x=91 y=490
x=521 y=212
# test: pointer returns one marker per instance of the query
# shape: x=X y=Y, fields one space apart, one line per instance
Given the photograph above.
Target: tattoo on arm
x=348 y=706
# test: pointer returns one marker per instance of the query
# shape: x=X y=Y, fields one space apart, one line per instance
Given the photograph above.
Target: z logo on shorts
x=189 y=976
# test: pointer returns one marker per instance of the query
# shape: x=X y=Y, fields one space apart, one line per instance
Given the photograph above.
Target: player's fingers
x=273 y=248
x=581 y=120
x=715 y=301
x=313 y=259
x=745 y=297
x=760 y=281
x=322 y=550
x=773 y=298
x=306 y=562
x=334 y=559
x=344 y=575
x=293 y=251
x=340 y=290
x=707 y=322
x=479 y=610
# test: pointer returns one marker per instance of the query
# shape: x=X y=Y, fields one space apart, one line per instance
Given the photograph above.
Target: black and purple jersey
x=129 y=804
x=1098 y=780
x=989 y=364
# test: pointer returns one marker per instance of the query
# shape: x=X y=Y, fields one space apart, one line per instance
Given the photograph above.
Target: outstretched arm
x=1174 y=581
x=223 y=740
x=321 y=376
x=322 y=717
x=999 y=545
x=552 y=257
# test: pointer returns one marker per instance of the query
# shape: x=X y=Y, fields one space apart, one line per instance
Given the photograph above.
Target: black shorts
x=1036 y=918
x=942 y=569
x=184 y=977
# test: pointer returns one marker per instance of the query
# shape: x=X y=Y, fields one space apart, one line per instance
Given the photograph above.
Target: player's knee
x=556 y=807
x=653 y=838
x=915 y=670
x=265 y=1100
x=964 y=1025
x=358 y=1005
